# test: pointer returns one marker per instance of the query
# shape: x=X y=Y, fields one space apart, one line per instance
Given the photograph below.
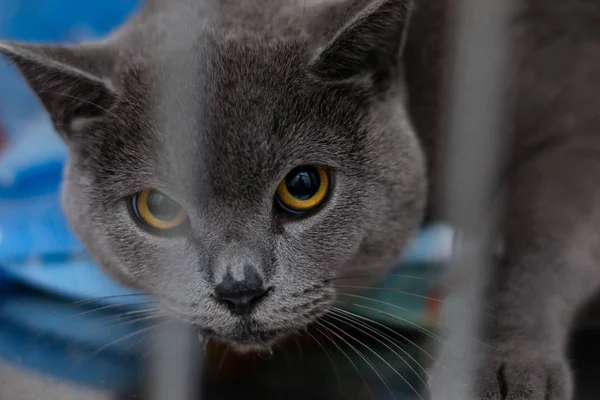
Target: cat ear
x=370 y=43
x=70 y=81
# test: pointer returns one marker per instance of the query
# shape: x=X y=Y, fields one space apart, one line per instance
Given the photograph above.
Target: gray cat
x=237 y=158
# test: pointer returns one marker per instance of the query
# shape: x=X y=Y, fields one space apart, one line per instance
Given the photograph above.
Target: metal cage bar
x=480 y=47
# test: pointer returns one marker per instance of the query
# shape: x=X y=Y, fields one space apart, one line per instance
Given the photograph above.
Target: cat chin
x=260 y=342
x=245 y=348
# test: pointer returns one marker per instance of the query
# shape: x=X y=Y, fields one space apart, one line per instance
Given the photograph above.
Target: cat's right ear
x=70 y=81
x=368 y=44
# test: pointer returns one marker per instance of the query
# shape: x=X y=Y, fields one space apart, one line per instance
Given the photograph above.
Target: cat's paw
x=524 y=378
x=517 y=377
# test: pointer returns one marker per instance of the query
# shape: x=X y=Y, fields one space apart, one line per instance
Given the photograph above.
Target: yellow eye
x=303 y=189
x=158 y=210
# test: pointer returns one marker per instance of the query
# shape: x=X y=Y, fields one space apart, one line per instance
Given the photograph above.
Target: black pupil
x=303 y=182
x=162 y=207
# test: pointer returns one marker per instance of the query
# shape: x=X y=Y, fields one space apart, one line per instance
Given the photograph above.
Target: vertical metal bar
x=480 y=42
x=176 y=367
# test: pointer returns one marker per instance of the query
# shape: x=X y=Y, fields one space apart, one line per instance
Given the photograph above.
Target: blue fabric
x=36 y=246
x=42 y=333
x=37 y=250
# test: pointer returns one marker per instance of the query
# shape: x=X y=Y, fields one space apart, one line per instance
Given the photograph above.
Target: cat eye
x=157 y=210
x=303 y=189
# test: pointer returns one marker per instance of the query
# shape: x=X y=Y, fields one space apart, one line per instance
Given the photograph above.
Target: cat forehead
x=233 y=89
x=238 y=109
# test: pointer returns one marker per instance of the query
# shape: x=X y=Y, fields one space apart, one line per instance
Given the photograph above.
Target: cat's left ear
x=70 y=81
x=370 y=43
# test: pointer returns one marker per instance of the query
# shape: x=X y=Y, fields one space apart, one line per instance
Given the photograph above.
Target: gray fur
x=213 y=102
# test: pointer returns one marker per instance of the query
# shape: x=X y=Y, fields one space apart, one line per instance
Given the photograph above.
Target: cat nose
x=241 y=296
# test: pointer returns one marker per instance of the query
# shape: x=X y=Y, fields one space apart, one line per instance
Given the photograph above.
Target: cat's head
x=238 y=175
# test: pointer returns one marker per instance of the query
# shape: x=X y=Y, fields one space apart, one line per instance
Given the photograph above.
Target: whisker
x=155 y=325
x=391 y=290
x=132 y=321
x=362 y=355
x=125 y=315
x=437 y=282
x=221 y=362
x=396 y=275
x=150 y=349
x=425 y=317
x=85 y=101
x=425 y=331
x=109 y=307
x=402 y=337
x=124 y=319
x=437 y=300
x=121 y=339
x=155 y=343
x=337 y=375
x=110 y=322
x=379 y=324
x=137 y=312
x=352 y=323
x=285 y=356
x=325 y=333
x=358 y=324
x=358 y=276
x=95 y=299
x=299 y=351
x=139 y=318
x=417 y=326
x=404 y=320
